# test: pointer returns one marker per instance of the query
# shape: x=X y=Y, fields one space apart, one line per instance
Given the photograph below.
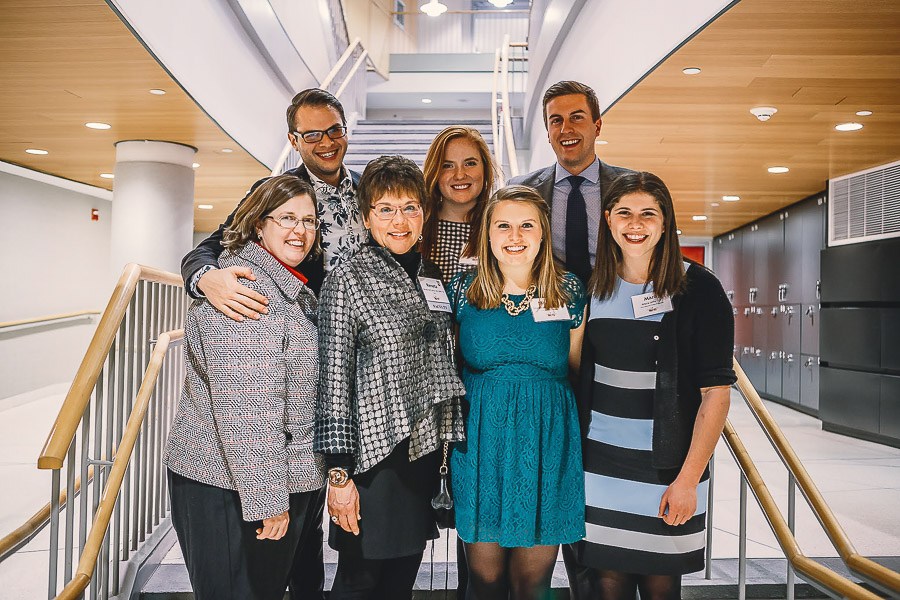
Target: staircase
x=371 y=139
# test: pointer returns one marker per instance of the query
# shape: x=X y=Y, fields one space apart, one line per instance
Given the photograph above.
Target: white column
x=153 y=204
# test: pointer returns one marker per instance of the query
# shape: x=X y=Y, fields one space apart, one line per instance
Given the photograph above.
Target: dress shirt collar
x=592 y=173
x=345 y=183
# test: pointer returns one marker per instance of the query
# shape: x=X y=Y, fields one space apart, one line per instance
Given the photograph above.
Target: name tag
x=435 y=294
x=650 y=304
x=542 y=314
x=468 y=261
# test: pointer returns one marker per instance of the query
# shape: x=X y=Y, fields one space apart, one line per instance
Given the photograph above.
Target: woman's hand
x=274 y=528
x=343 y=503
x=680 y=499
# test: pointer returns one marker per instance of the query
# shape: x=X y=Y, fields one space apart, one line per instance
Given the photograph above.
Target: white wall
x=54 y=259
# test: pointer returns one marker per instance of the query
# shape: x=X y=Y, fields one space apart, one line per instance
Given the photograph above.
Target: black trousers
x=224 y=559
x=375 y=579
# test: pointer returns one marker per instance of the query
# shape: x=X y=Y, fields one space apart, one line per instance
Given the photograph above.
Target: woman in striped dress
x=659 y=337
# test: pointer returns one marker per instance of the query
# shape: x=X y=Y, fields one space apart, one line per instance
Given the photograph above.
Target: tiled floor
x=860 y=481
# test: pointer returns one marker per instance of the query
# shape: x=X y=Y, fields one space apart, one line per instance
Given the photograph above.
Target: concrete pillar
x=153 y=204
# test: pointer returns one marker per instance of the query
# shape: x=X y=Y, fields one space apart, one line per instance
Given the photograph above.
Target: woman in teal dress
x=518 y=479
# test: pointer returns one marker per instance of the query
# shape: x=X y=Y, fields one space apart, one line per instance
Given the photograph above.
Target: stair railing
x=501 y=121
x=98 y=426
x=877 y=575
x=347 y=81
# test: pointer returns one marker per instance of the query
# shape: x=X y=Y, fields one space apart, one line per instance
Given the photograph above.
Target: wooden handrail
x=854 y=561
x=63 y=431
x=94 y=542
x=36 y=320
x=801 y=563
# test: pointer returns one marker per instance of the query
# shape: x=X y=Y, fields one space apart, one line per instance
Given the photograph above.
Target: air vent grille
x=865 y=206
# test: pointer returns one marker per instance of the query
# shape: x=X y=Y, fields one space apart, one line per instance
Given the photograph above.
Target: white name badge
x=435 y=294
x=650 y=304
x=542 y=314
x=468 y=261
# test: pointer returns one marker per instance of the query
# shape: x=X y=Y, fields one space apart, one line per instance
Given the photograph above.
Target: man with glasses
x=317 y=129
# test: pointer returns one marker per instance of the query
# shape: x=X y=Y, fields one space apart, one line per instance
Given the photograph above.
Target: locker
x=794 y=247
x=790 y=343
x=773 y=240
x=757 y=362
x=813 y=242
x=890 y=338
x=849 y=399
x=809 y=328
x=809 y=381
x=774 y=350
x=890 y=406
x=851 y=337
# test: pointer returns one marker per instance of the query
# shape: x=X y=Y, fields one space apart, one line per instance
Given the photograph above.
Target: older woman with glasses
x=389 y=395
x=247 y=489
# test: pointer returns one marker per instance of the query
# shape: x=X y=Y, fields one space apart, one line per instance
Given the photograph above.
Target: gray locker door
x=774 y=350
x=813 y=243
x=790 y=343
x=849 y=399
x=757 y=362
x=809 y=328
x=773 y=228
x=756 y=268
x=794 y=248
x=890 y=406
x=809 y=381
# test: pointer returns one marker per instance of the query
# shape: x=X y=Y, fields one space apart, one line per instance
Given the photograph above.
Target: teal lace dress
x=518 y=478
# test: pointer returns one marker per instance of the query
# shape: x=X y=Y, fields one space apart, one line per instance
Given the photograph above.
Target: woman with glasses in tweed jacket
x=246 y=488
x=389 y=393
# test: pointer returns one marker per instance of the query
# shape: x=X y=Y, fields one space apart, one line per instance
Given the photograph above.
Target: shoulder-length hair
x=268 y=196
x=434 y=161
x=487 y=287
x=666 y=263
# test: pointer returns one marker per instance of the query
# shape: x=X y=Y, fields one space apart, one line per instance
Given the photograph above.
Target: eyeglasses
x=315 y=135
x=386 y=212
x=291 y=222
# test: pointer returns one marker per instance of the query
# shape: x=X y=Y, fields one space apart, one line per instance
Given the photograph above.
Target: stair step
x=413 y=127
x=433 y=122
x=398 y=138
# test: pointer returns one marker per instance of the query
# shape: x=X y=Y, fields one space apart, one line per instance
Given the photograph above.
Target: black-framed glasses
x=291 y=222
x=386 y=212
x=315 y=135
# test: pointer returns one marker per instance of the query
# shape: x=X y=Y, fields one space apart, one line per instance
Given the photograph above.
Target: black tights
x=616 y=585
x=497 y=573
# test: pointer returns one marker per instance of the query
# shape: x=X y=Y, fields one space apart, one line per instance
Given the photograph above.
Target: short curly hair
x=392 y=175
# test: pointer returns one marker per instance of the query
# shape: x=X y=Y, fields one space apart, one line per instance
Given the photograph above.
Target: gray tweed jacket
x=387 y=371
x=245 y=419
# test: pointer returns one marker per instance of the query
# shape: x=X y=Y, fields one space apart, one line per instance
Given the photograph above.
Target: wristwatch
x=338 y=477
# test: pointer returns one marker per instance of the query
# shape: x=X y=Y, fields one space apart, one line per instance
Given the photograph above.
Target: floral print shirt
x=342 y=226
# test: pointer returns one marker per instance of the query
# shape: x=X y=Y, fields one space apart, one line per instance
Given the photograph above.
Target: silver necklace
x=516 y=309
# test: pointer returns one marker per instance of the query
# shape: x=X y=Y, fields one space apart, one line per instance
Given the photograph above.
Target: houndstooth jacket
x=245 y=419
x=386 y=363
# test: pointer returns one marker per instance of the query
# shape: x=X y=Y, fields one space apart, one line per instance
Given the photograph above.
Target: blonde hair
x=487 y=287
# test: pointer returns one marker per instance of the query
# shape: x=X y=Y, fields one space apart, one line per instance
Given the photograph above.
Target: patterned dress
x=451 y=239
x=622 y=489
x=517 y=480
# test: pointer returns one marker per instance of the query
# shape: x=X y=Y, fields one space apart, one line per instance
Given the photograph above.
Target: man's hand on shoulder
x=223 y=290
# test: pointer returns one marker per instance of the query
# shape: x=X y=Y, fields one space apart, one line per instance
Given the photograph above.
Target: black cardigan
x=696 y=341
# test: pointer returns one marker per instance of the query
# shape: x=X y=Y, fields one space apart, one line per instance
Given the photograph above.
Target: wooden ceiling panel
x=816 y=61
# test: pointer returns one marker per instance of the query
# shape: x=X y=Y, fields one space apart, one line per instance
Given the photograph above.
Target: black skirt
x=395 y=506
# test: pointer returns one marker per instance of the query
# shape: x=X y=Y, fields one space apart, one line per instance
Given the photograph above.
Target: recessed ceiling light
x=36 y=151
x=227 y=150
x=778 y=169
x=699 y=217
x=205 y=206
x=195 y=165
x=433 y=8
x=93 y=125
x=500 y=3
x=601 y=142
x=158 y=92
x=678 y=231
x=426 y=100
x=107 y=176
x=714 y=204
x=691 y=70
x=863 y=113
x=731 y=198
x=848 y=126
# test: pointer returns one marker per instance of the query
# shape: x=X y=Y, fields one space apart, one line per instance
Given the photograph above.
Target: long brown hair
x=487 y=288
x=270 y=194
x=434 y=160
x=666 y=263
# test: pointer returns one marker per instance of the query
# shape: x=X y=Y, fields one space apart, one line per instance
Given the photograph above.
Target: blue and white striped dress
x=622 y=489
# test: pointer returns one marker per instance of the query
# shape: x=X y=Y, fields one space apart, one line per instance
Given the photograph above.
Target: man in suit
x=317 y=129
x=573 y=185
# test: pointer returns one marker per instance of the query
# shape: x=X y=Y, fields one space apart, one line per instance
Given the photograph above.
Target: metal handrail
x=49 y=319
x=63 y=431
x=92 y=547
x=500 y=109
x=865 y=568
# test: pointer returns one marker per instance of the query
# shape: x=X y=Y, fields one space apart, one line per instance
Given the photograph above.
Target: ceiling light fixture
x=778 y=169
x=93 y=125
x=501 y=3
x=205 y=206
x=195 y=165
x=863 y=113
x=714 y=204
x=426 y=100
x=601 y=142
x=107 y=176
x=158 y=92
x=848 y=126
x=763 y=113
x=36 y=151
x=678 y=231
x=227 y=150
x=433 y=8
x=699 y=217
x=731 y=198
x=691 y=70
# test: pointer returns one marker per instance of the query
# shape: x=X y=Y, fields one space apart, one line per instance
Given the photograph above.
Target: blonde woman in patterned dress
x=459 y=179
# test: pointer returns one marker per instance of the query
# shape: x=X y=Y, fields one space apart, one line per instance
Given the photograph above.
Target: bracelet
x=338 y=477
